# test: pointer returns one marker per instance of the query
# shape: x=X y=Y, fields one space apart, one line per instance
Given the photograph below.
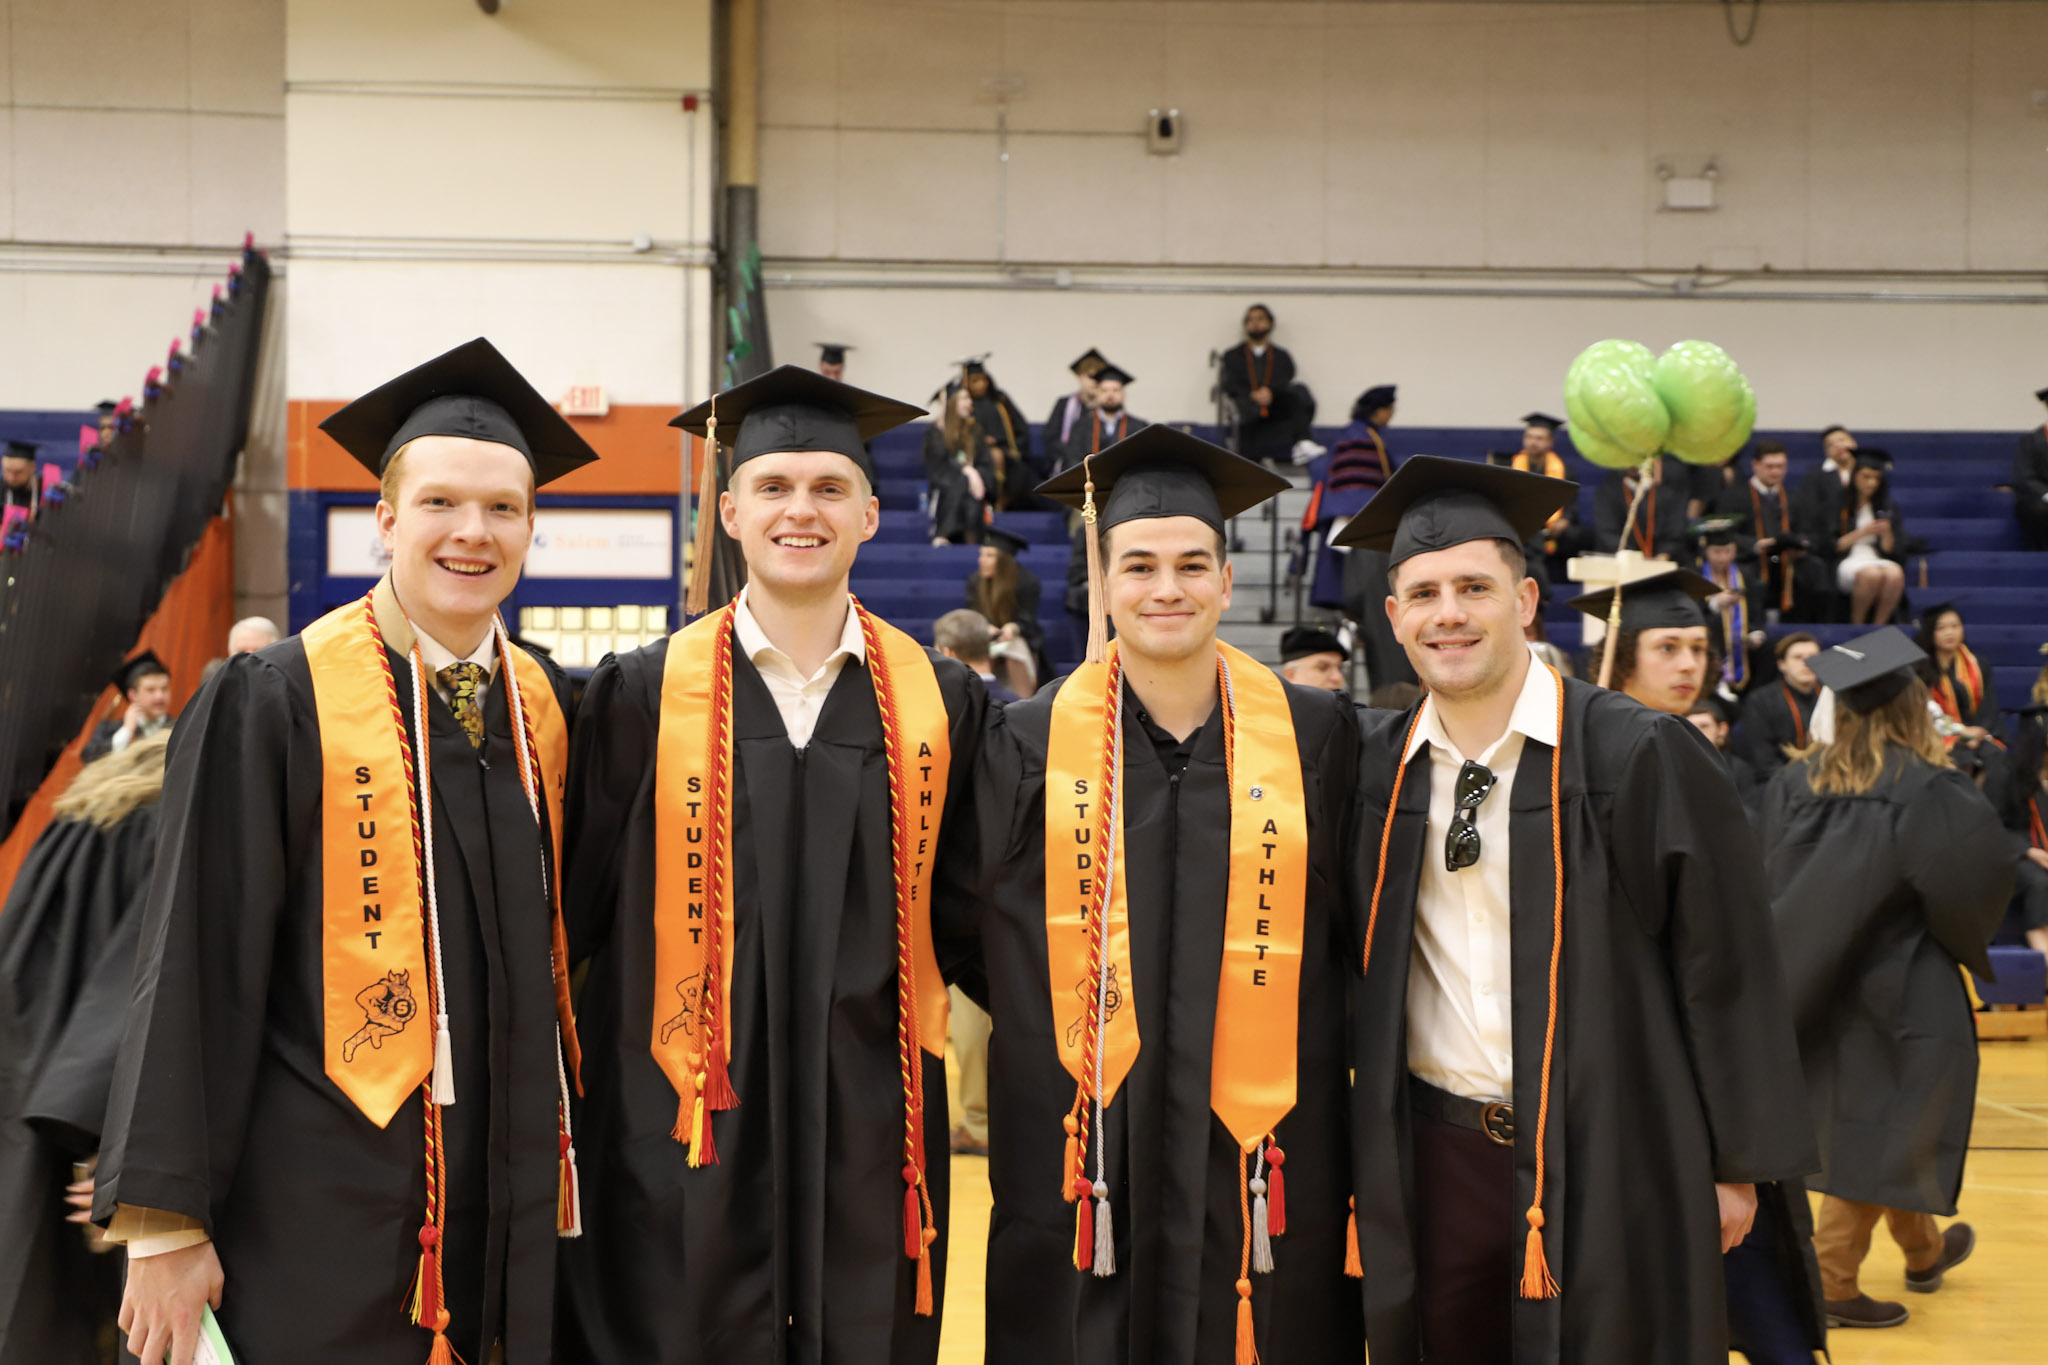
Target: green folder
x=213 y=1345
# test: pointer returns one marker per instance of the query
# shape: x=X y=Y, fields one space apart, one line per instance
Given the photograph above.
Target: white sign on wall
x=627 y=542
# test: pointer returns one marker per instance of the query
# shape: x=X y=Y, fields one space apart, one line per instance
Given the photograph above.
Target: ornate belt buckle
x=1497 y=1118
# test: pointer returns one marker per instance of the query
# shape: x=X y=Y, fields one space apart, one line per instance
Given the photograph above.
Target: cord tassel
x=1536 y=1280
x=426 y=1284
x=1084 y=1230
x=1353 y=1266
x=1078 y=1186
x=1276 y=1191
x=1105 y=1234
x=1262 y=1242
x=913 y=1220
x=569 y=1195
x=442 y=1352
x=923 y=1305
x=700 y=1136
x=444 y=1063
x=1247 y=1348
x=717 y=1086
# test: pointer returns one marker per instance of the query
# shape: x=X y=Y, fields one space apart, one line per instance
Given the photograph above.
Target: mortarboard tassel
x=1276 y=1189
x=1536 y=1279
x=1098 y=628
x=1247 y=1348
x=1353 y=1265
x=698 y=598
x=1104 y=1260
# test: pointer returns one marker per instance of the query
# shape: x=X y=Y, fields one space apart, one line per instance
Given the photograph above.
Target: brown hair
x=2041 y=687
x=1797 y=637
x=110 y=789
x=996 y=596
x=1626 y=642
x=960 y=431
x=1852 y=763
x=1764 y=448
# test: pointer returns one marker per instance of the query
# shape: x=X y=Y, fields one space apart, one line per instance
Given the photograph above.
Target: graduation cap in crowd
x=1670 y=598
x=1869 y=670
x=1719 y=529
x=1009 y=542
x=105 y=406
x=132 y=671
x=1870 y=457
x=2041 y=394
x=1544 y=420
x=1160 y=471
x=1433 y=503
x=974 y=364
x=19 y=450
x=1300 y=642
x=471 y=391
x=832 y=352
x=1091 y=363
x=1372 y=400
x=1111 y=370
x=792 y=408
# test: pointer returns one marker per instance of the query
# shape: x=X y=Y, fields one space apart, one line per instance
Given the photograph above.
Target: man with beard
x=1273 y=412
x=1072 y=407
x=1102 y=425
x=1773 y=520
x=1573 y=1054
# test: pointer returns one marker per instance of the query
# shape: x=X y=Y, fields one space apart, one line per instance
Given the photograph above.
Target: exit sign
x=586 y=400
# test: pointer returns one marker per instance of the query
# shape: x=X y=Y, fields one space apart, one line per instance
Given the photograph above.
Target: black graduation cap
x=1719 y=529
x=1433 y=503
x=1671 y=598
x=1008 y=541
x=105 y=405
x=974 y=364
x=20 y=450
x=1870 y=457
x=470 y=391
x=1869 y=670
x=132 y=671
x=2041 y=394
x=1378 y=396
x=1089 y=363
x=1301 y=641
x=1542 y=419
x=1164 y=472
x=792 y=408
x=831 y=352
x=1111 y=370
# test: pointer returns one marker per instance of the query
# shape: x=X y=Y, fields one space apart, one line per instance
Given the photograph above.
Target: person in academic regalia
x=68 y=935
x=1659 y=529
x=1665 y=656
x=1167 y=1129
x=1962 y=687
x=2025 y=811
x=832 y=359
x=19 y=486
x=1820 y=492
x=144 y=685
x=1008 y=594
x=1544 y=1052
x=959 y=471
x=756 y=806
x=1070 y=408
x=1101 y=425
x=1712 y=717
x=1342 y=482
x=1273 y=411
x=1887 y=869
x=1562 y=536
x=1777 y=717
x=1314 y=657
x=1005 y=431
x=338 y=1110
x=1736 y=607
x=1792 y=578
x=2030 y=483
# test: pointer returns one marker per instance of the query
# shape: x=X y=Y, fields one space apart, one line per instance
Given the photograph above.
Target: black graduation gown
x=1053 y=441
x=1674 y=1068
x=1024 y=615
x=221 y=1107
x=1985 y=713
x=1172 y=1166
x=1774 y=715
x=1002 y=421
x=790 y=1249
x=954 y=511
x=1876 y=898
x=67 y=952
x=1610 y=514
x=1775 y=517
x=2030 y=485
x=1272 y=436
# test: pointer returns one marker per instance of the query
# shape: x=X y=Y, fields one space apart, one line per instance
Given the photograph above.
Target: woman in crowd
x=1867 y=536
x=1887 y=868
x=2026 y=817
x=960 y=471
x=1959 y=685
x=1007 y=593
x=68 y=936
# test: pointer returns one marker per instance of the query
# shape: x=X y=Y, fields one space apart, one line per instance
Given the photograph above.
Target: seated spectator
x=1313 y=657
x=1273 y=412
x=1820 y=492
x=1104 y=424
x=110 y=421
x=1868 y=531
x=1659 y=530
x=1071 y=408
x=1006 y=434
x=252 y=633
x=1008 y=594
x=145 y=687
x=1710 y=716
x=1562 y=536
x=19 y=486
x=959 y=471
x=964 y=634
x=1792 y=578
x=2030 y=483
x=1963 y=688
x=1341 y=484
x=1777 y=717
x=1395 y=696
x=2025 y=812
x=1737 y=604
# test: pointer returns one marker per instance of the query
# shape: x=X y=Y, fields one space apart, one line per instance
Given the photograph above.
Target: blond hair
x=1852 y=763
x=389 y=482
x=107 y=791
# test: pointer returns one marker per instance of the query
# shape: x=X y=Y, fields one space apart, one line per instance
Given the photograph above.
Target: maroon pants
x=1464 y=1244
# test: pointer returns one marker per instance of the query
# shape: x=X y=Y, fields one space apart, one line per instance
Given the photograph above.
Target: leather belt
x=1495 y=1118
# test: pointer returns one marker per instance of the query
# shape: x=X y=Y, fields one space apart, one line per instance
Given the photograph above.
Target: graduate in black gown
x=2030 y=482
x=1568 y=1078
x=1791 y=576
x=144 y=685
x=1887 y=869
x=1174 y=1204
x=764 y=1219
x=1002 y=589
x=1273 y=410
x=1002 y=422
x=285 y=1087
x=1777 y=716
x=1070 y=408
x=959 y=471
x=67 y=954
x=1714 y=718
x=1659 y=529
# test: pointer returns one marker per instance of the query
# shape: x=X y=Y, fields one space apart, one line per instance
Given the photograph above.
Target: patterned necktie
x=464 y=681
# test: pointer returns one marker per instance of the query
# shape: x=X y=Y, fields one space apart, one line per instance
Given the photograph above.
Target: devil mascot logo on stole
x=685 y=1018
x=388 y=1006
x=1113 y=1000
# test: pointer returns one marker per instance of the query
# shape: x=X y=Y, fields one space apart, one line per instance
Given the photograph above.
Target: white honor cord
x=444 y=1046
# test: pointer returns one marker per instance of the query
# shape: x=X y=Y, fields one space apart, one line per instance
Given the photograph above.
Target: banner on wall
x=568 y=542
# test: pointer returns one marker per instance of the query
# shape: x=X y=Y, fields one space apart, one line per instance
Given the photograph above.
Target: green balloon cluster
x=1627 y=405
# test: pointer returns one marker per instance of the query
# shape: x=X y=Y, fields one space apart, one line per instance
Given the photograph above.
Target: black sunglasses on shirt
x=1461 y=842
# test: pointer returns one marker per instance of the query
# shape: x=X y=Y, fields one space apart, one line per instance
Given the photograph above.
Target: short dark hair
x=1517 y=561
x=1764 y=448
x=1797 y=637
x=1102 y=546
x=1826 y=432
x=1262 y=308
x=1628 y=639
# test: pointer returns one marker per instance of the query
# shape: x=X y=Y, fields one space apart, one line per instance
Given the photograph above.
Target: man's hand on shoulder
x=160 y=1308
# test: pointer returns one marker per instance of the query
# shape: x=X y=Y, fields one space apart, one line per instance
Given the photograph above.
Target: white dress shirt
x=798 y=698
x=1460 y=986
